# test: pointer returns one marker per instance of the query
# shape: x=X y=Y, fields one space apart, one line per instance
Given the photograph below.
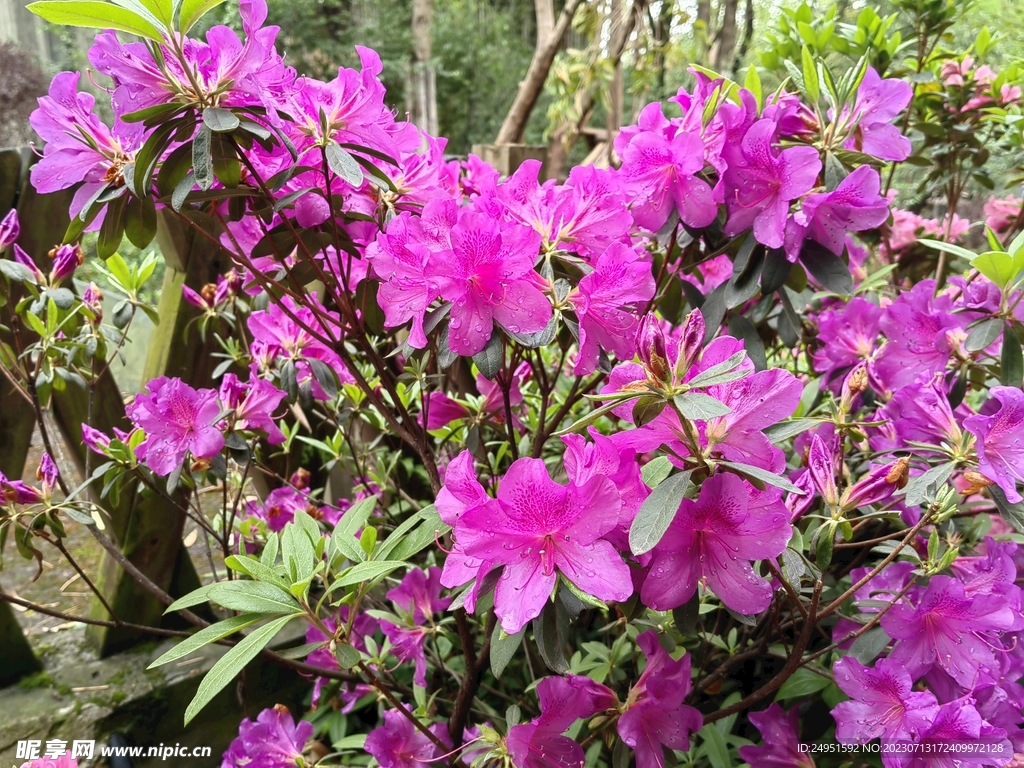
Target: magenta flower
x=66 y=259
x=540 y=529
x=10 y=229
x=253 y=402
x=713 y=540
x=655 y=716
x=659 y=168
x=17 y=492
x=488 y=276
x=419 y=595
x=920 y=413
x=883 y=703
x=399 y=744
x=948 y=629
x=273 y=741
x=563 y=701
x=64 y=761
x=604 y=303
x=922 y=330
x=780 y=736
x=48 y=474
x=761 y=184
x=280 y=506
x=399 y=258
x=853 y=206
x=1000 y=454
x=363 y=627
x=957 y=722
x=178 y=420
x=848 y=335
x=878 y=103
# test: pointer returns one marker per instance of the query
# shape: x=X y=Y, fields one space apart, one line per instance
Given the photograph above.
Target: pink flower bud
x=881 y=483
x=691 y=342
x=9 y=229
x=651 y=347
x=66 y=259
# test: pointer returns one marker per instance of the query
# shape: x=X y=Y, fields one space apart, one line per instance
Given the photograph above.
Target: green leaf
x=17 y=271
x=220 y=120
x=192 y=11
x=715 y=747
x=489 y=359
x=721 y=373
x=369 y=571
x=140 y=221
x=207 y=635
x=343 y=164
x=196 y=597
x=763 y=475
x=657 y=512
x=343 y=539
x=791 y=428
x=803 y=683
x=253 y=597
x=1011 y=512
x=868 y=646
x=425 y=534
x=202 y=160
x=95 y=15
x=656 y=470
x=916 y=491
x=811 y=84
x=956 y=250
x=250 y=566
x=752 y=82
x=232 y=662
x=983 y=334
x=1000 y=268
x=503 y=648
x=1011 y=371
x=347 y=656
x=827 y=268
x=695 y=405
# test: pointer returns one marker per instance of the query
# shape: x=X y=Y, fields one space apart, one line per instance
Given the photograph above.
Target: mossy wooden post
x=150 y=531
x=15 y=436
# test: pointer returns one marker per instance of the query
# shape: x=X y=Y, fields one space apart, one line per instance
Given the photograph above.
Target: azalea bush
x=681 y=462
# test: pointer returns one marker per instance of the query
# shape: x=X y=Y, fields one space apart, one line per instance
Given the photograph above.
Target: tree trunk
x=514 y=126
x=702 y=25
x=615 y=95
x=423 y=91
x=748 y=35
x=725 y=40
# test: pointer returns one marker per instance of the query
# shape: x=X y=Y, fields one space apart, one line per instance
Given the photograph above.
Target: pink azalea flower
x=399 y=257
x=780 y=735
x=878 y=103
x=79 y=148
x=399 y=744
x=604 y=302
x=1000 y=454
x=655 y=716
x=882 y=702
x=847 y=334
x=253 y=402
x=957 y=722
x=1000 y=213
x=853 y=206
x=419 y=594
x=539 y=530
x=178 y=421
x=275 y=740
x=713 y=540
x=17 y=492
x=280 y=506
x=563 y=701
x=660 y=169
x=948 y=629
x=762 y=182
x=488 y=276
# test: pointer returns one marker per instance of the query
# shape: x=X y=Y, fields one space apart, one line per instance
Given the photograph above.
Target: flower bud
x=691 y=342
x=47 y=473
x=975 y=482
x=209 y=293
x=9 y=229
x=821 y=464
x=881 y=483
x=300 y=479
x=856 y=382
x=92 y=297
x=651 y=347
x=25 y=260
x=66 y=259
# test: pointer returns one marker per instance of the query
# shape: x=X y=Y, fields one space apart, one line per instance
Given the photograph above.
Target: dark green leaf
x=112 y=229
x=763 y=475
x=232 y=662
x=1011 y=512
x=207 y=635
x=1011 y=371
x=253 y=597
x=687 y=615
x=983 y=334
x=657 y=512
x=490 y=359
x=741 y=328
x=802 y=684
x=551 y=631
x=62 y=297
x=140 y=221
x=827 y=268
x=202 y=160
x=503 y=648
x=775 y=270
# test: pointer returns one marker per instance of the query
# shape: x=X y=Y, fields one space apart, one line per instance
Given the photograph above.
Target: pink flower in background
x=64 y=761
x=280 y=506
x=540 y=529
x=763 y=181
x=780 y=737
x=178 y=421
x=713 y=540
x=998 y=430
x=604 y=302
x=275 y=740
x=399 y=744
x=655 y=716
x=563 y=700
x=488 y=276
x=1000 y=213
